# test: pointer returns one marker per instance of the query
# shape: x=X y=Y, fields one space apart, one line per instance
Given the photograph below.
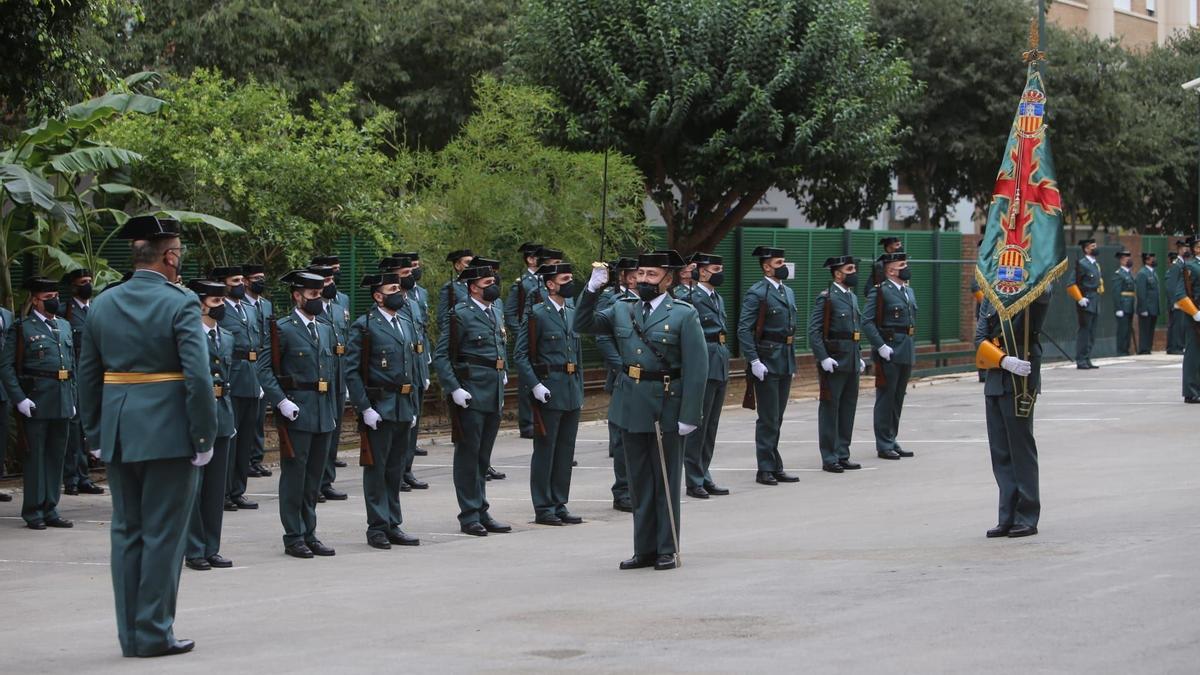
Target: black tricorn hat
x=554 y=270
x=767 y=252
x=666 y=259
x=1180 y=242
x=626 y=264
x=455 y=256
x=546 y=253
x=40 y=285
x=893 y=257
x=1122 y=254
x=485 y=262
x=706 y=259
x=475 y=272
x=838 y=261
x=322 y=270
x=77 y=273
x=1146 y=255
x=889 y=240
x=222 y=273
x=529 y=248
x=324 y=260
x=149 y=227
x=250 y=269
x=411 y=255
x=1085 y=242
x=300 y=279
x=374 y=281
x=208 y=288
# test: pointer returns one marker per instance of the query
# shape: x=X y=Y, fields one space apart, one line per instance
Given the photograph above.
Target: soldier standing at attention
x=298 y=370
x=337 y=316
x=890 y=245
x=1086 y=292
x=1186 y=297
x=453 y=291
x=834 y=330
x=204 y=532
x=708 y=272
x=1177 y=326
x=767 y=335
x=548 y=357
x=420 y=298
x=76 y=478
x=663 y=355
x=38 y=372
x=416 y=317
x=244 y=390
x=1126 y=289
x=626 y=275
x=891 y=323
x=146 y=397
x=6 y=320
x=254 y=277
x=521 y=298
x=381 y=366
x=1148 y=303
x=470 y=364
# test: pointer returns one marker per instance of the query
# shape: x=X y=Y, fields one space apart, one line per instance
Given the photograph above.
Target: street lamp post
x=1194 y=85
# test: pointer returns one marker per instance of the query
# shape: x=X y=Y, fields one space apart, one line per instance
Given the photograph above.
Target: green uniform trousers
x=616 y=450
x=1085 y=339
x=1191 y=361
x=245 y=412
x=46 y=441
x=1124 y=334
x=771 y=398
x=889 y=403
x=651 y=523
x=550 y=465
x=75 y=468
x=525 y=410
x=152 y=506
x=329 y=474
x=835 y=416
x=411 y=452
x=390 y=447
x=472 y=457
x=698 y=446
x=258 y=449
x=1177 y=329
x=1146 y=326
x=204 y=530
x=1014 y=461
x=299 y=484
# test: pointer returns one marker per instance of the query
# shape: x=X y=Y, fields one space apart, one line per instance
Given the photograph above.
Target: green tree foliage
x=718 y=100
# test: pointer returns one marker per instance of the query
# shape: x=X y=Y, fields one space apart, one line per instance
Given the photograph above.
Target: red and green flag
x=1022 y=250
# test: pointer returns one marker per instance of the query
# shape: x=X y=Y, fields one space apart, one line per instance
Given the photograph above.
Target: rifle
x=748 y=400
x=1187 y=289
x=451 y=406
x=822 y=376
x=19 y=367
x=286 y=451
x=365 y=456
x=539 y=425
x=880 y=378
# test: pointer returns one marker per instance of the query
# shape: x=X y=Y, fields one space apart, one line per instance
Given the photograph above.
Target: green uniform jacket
x=711 y=309
x=243 y=380
x=1175 y=282
x=391 y=364
x=146 y=325
x=674 y=329
x=47 y=351
x=302 y=361
x=557 y=345
x=264 y=313
x=1190 y=269
x=6 y=321
x=220 y=362
x=448 y=299
x=1089 y=280
x=1124 y=291
x=999 y=381
x=779 y=323
x=888 y=321
x=1147 y=291
x=480 y=344
x=844 y=321
x=417 y=318
x=527 y=291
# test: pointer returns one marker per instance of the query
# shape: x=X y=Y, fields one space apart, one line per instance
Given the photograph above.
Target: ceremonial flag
x=1022 y=250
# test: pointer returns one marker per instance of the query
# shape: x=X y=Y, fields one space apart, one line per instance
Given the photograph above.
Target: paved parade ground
x=880 y=570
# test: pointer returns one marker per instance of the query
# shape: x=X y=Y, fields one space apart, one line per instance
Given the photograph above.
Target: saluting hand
x=599 y=278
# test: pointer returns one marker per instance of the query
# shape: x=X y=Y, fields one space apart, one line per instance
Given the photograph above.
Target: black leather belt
x=60 y=375
x=498 y=364
x=376 y=391
x=544 y=369
x=244 y=355
x=843 y=335
x=638 y=374
x=288 y=384
x=782 y=338
x=891 y=333
x=719 y=338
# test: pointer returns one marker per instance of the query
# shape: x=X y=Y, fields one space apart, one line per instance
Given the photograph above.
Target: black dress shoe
x=5 y=497
x=320 y=498
x=70 y=490
x=405 y=487
x=665 y=562
x=1191 y=400
x=714 y=489
x=697 y=492
x=848 y=465
x=243 y=503
x=401 y=538
x=320 y=549
x=574 y=462
x=263 y=471
x=527 y=433
x=219 y=561
x=888 y=454
x=59 y=522
x=341 y=464
x=474 y=529
x=420 y=452
x=832 y=468
x=230 y=506
x=333 y=494
x=88 y=487
x=378 y=540
x=623 y=505
x=1093 y=366
x=785 y=477
x=414 y=482
x=176 y=647
x=638 y=562
x=253 y=472
x=766 y=478
x=1082 y=366
x=198 y=564
x=999 y=531
x=36 y=525
x=548 y=520
x=298 y=550
x=493 y=525
x=1022 y=530
x=903 y=453
x=570 y=518
x=495 y=475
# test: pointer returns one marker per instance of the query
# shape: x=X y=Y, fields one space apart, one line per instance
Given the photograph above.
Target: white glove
x=260 y=392
x=1120 y=314
x=885 y=352
x=505 y=373
x=27 y=407
x=288 y=409
x=862 y=365
x=685 y=428
x=1145 y=313
x=461 y=397
x=541 y=393
x=828 y=364
x=1196 y=316
x=760 y=371
x=427 y=383
x=1083 y=302
x=371 y=418
x=94 y=453
x=72 y=411
x=1016 y=366
x=202 y=458
x=598 y=279
x=413 y=423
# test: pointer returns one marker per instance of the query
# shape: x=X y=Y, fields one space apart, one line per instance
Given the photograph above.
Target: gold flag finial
x=1033 y=54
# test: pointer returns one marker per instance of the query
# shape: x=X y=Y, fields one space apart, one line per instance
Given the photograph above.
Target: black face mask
x=257 y=287
x=393 y=301
x=51 y=306
x=851 y=280
x=337 y=277
x=237 y=292
x=647 y=291
x=416 y=274
x=313 y=307
x=569 y=289
x=905 y=274
x=408 y=282
x=781 y=272
x=217 y=313
x=491 y=293
x=83 y=292
x=329 y=292
x=716 y=279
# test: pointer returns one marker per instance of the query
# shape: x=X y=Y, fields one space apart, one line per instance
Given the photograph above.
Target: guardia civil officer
x=890 y=245
x=76 y=477
x=548 y=356
x=243 y=383
x=147 y=406
x=335 y=294
x=1086 y=292
x=454 y=290
x=419 y=296
x=203 y=549
x=1149 y=305
x=663 y=355
x=1177 y=326
x=1185 y=296
x=381 y=367
x=38 y=372
x=625 y=274
x=526 y=291
x=337 y=316
x=6 y=320
x=298 y=370
x=891 y=323
x=767 y=335
x=254 y=277
x=1125 y=299
x=834 y=330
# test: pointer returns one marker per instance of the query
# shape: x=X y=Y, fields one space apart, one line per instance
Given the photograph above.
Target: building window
x=1192 y=12
x=1151 y=7
x=1126 y=5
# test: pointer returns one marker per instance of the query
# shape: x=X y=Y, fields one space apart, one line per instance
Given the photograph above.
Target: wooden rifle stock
x=749 y=402
x=539 y=425
x=286 y=451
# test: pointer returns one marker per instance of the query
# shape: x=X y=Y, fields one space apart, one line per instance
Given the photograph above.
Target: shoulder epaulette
x=177 y=287
x=628 y=299
x=823 y=293
x=683 y=302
